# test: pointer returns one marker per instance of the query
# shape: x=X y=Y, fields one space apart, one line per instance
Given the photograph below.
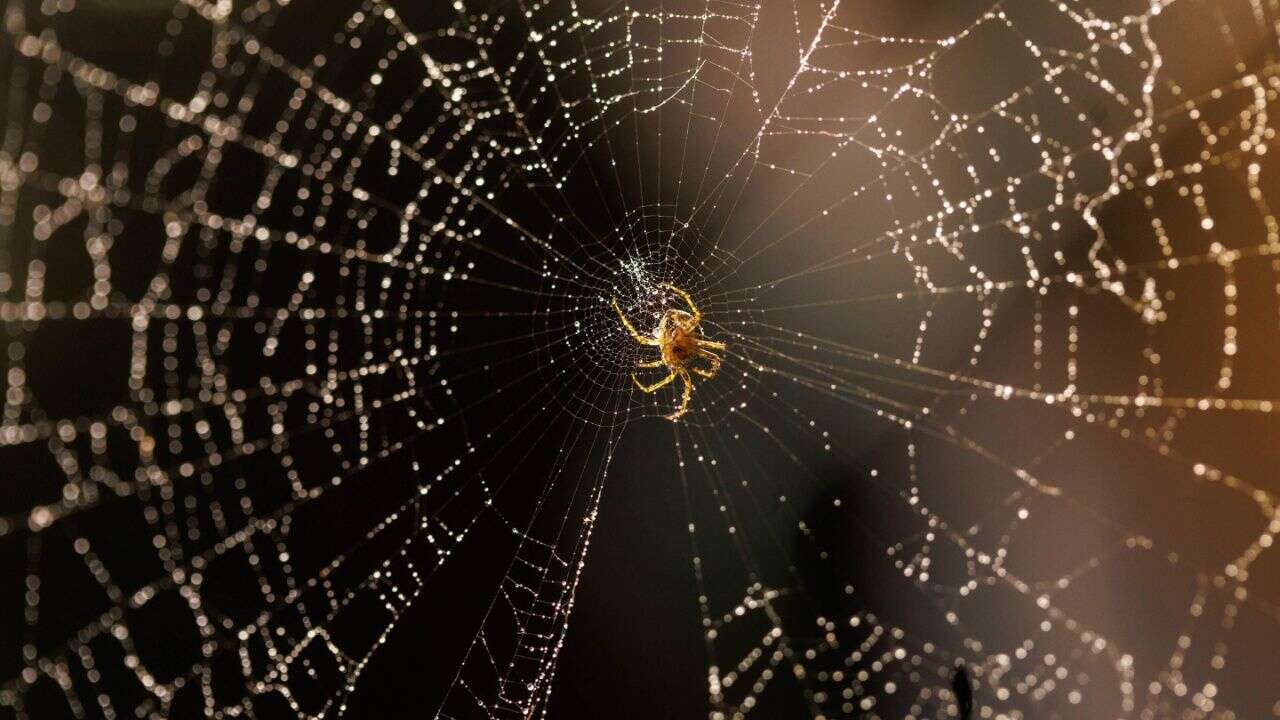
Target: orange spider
x=679 y=342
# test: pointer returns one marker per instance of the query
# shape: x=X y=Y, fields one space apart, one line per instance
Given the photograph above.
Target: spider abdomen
x=678 y=348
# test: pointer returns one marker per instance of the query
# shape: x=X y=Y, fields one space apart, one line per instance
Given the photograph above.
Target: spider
x=678 y=340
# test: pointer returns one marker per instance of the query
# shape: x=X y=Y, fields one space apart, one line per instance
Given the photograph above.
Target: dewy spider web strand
x=989 y=278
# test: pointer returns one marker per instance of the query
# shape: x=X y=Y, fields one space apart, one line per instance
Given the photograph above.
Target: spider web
x=311 y=359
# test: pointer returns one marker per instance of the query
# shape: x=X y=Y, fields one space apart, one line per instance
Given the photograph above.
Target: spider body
x=677 y=337
x=679 y=344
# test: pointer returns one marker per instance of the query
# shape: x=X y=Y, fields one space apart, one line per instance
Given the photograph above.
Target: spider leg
x=712 y=357
x=654 y=364
x=654 y=387
x=711 y=371
x=711 y=344
x=684 y=398
x=697 y=315
x=631 y=328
